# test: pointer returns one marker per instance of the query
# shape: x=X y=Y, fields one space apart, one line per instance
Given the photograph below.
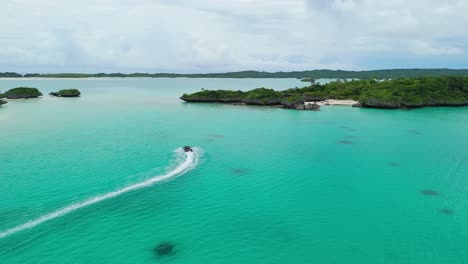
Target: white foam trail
x=191 y=160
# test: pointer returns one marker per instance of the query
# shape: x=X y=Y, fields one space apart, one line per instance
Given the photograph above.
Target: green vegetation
x=67 y=93
x=22 y=92
x=10 y=75
x=291 y=98
x=263 y=96
x=218 y=95
x=303 y=75
x=259 y=95
x=398 y=93
x=416 y=92
x=2 y=102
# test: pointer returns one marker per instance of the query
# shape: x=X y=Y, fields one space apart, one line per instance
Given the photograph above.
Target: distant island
x=303 y=75
x=66 y=93
x=385 y=94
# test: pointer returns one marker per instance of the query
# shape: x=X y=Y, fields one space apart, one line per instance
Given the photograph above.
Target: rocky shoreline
x=298 y=104
x=315 y=105
x=376 y=103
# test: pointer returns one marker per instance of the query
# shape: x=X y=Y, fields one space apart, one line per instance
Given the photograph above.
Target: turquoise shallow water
x=342 y=185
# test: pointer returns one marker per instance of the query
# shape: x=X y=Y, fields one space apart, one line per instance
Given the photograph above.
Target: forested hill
x=314 y=74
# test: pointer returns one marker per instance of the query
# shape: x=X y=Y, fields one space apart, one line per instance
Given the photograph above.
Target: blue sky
x=218 y=36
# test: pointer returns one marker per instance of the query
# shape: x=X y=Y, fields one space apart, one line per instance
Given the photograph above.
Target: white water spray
x=191 y=160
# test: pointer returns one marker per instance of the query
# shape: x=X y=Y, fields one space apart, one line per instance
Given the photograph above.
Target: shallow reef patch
x=447 y=211
x=165 y=249
x=213 y=137
x=216 y=135
x=239 y=171
x=347 y=128
x=345 y=142
x=429 y=192
x=414 y=132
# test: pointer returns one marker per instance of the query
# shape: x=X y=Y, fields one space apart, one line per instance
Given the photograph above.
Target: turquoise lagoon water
x=342 y=185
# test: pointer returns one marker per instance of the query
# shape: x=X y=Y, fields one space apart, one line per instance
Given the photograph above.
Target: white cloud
x=214 y=35
x=426 y=49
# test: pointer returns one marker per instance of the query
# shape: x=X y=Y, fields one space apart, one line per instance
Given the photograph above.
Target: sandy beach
x=334 y=102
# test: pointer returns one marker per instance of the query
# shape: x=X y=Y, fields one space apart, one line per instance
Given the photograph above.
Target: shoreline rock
x=312 y=107
x=2 y=102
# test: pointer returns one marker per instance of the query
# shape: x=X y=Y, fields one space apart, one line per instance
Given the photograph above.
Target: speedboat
x=188 y=149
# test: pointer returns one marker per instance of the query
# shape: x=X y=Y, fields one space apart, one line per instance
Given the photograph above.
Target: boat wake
x=189 y=162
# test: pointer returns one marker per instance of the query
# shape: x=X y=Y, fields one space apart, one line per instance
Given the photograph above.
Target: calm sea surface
x=80 y=178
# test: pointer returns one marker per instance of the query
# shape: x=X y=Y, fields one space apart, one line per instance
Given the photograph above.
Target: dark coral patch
x=429 y=192
x=345 y=142
x=394 y=164
x=239 y=171
x=213 y=137
x=216 y=136
x=414 y=132
x=447 y=211
x=165 y=249
x=347 y=128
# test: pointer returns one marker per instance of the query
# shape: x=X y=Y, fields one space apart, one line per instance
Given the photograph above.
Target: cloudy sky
x=231 y=35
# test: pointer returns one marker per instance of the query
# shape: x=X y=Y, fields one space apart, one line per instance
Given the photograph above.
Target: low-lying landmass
x=291 y=98
x=2 y=102
x=386 y=94
x=66 y=93
x=21 y=93
x=303 y=75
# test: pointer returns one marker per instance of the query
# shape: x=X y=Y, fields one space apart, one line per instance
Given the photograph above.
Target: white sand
x=335 y=102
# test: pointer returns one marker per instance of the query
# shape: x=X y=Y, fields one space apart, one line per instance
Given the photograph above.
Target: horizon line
x=226 y=72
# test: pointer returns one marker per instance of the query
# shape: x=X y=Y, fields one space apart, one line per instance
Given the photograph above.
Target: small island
x=310 y=80
x=66 y=93
x=383 y=94
x=22 y=93
x=261 y=97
